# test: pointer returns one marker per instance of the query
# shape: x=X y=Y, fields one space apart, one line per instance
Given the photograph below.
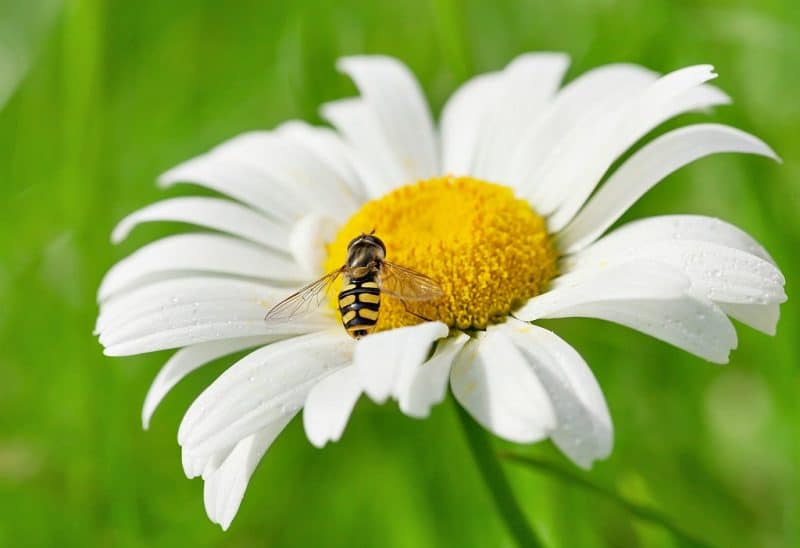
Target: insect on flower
x=505 y=211
x=366 y=275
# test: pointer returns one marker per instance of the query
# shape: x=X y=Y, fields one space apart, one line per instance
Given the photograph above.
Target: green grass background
x=117 y=92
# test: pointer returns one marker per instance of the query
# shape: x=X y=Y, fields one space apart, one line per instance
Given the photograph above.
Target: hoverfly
x=366 y=275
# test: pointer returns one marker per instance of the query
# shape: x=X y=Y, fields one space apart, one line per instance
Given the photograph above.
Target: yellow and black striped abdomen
x=359 y=304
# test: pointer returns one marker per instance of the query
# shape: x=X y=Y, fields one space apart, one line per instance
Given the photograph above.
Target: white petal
x=611 y=133
x=264 y=386
x=225 y=486
x=193 y=323
x=428 y=386
x=647 y=167
x=299 y=170
x=396 y=100
x=527 y=85
x=386 y=361
x=198 y=253
x=222 y=215
x=672 y=227
x=272 y=173
x=492 y=380
x=203 y=465
x=462 y=121
x=329 y=405
x=308 y=240
x=583 y=425
x=186 y=360
x=329 y=147
x=238 y=179
x=186 y=311
x=763 y=317
x=716 y=272
x=682 y=228
x=694 y=325
x=589 y=95
x=321 y=189
x=369 y=150
x=597 y=283
x=645 y=296
x=130 y=305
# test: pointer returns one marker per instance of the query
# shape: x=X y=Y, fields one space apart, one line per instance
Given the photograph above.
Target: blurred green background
x=111 y=94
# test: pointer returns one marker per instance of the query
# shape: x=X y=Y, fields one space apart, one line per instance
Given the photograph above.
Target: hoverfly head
x=366 y=244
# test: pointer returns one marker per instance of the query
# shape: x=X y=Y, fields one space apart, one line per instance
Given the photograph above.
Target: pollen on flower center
x=488 y=250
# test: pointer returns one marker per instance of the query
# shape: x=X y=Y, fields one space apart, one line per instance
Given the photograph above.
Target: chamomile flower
x=501 y=204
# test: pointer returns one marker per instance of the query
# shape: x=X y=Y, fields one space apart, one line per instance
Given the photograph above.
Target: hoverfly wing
x=304 y=301
x=407 y=284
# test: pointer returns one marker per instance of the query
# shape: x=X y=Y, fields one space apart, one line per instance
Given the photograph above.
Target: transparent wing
x=406 y=284
x=304 y=301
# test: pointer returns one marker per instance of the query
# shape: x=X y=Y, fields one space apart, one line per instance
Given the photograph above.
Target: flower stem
x=643 y=513
x=495 y=479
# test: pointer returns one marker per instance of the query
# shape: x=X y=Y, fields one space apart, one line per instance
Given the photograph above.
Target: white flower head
x=499 y=204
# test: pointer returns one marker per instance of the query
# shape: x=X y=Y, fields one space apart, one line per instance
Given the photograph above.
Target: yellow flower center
x=489 y=251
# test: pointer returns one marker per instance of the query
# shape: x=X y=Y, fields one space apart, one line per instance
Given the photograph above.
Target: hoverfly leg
x=421 y=317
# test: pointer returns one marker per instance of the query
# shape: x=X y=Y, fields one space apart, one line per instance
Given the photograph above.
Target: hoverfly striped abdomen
x=359 y=304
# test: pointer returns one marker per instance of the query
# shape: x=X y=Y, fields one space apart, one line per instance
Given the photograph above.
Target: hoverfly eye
x=377 y=241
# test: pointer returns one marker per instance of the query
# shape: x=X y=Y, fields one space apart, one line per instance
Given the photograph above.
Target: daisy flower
x=501 y=204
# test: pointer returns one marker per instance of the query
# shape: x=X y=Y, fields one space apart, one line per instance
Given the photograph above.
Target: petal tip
x=147 y=414
x=119 y=233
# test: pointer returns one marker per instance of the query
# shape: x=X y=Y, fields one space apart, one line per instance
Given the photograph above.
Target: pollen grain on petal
x=489 y=251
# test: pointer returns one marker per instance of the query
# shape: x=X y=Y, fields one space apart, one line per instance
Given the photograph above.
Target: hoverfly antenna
x=373 y=231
